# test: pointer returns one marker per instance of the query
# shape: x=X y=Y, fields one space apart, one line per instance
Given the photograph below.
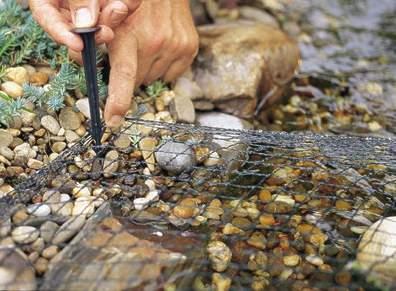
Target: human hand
x=158 y=40
x=59 y=17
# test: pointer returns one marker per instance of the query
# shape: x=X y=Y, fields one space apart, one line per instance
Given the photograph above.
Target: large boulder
x=242 y=66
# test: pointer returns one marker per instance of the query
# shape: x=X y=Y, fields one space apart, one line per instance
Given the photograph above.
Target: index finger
x=51 y=20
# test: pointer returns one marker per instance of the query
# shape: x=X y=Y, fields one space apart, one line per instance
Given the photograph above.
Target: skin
x=146 y=39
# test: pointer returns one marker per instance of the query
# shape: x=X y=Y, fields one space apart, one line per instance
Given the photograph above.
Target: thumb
x=116 y=11
x=123 y=62
x=84 y=13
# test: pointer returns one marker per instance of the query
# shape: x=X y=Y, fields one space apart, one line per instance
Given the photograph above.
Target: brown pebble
x=38 y=78
x=41 y=265
x=343 y=278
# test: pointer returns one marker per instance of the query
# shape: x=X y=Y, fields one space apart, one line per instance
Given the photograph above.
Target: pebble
x=69 y=119
x=39 y=210
x=219 y=255
x=18 y=75
x=20 y=216
x=69 y=229
x=147 y=147
x=50 y=124
x=83 y=106
x=187 y=208
x=143 y=203
x=58 y=146
x=230 y=229
x=48 y=230
x=6 y=138
x=38 y=78
x=24 y=151
x=84 y=206
x=213 y=160
x=71 y=136
x=12 y=89
x=35 y=164
x=41 y=265
x=292 y=260
x=314 y=260
x=30 y=69
x=7 y=153
x=50 y=252
x=5 y=226
x=123 y=141
x=220 y=282
x=111 y=163
x=16 y=272
x=182 y=108
x=175 y=157
x=25 y=234
x=81 y=191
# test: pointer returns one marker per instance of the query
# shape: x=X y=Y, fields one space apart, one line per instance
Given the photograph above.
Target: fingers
x=84 y=13
x=116 y=11
x=123 y=61
x=177 y=69
x=57 y=26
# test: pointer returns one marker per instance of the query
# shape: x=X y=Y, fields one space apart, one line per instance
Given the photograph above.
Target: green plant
x=21 y=38
x=10 y=108
x=156 y=88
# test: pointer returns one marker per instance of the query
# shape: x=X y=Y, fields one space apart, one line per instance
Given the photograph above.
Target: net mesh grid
x=290 y=208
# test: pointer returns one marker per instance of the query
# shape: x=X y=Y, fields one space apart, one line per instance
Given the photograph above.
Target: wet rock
x=143 y=203
x=12 y=89
x=16 y=272
x=18 y=75
x=187 y=208
x=6 y=138
x=219 y=255
x=175 y=157
x=69 y=229
x=69 y=119
x=50 y=124
x=25 y=234
x=292 y=260
x=41 y=265
x=314 y=260
x=104 y=252
x=377 y=249
x=242 y=65
x=183 y=109
x=48 y=230
x=123 y=141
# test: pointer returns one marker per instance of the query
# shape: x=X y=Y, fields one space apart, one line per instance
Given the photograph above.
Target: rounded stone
x=50 y=124
x=25 y=234
x=69 y=119
x=18 y=75
x=12 y=89
x=39 y=210
x=175 y=157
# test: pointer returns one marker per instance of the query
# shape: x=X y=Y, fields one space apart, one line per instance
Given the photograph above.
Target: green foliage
x=10 y=108
x=21 y=38
x=156 y=88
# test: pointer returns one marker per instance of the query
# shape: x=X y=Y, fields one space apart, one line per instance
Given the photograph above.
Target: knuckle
x=157 y=43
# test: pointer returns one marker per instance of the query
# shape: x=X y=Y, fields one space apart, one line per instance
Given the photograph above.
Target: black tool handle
x=89 y=59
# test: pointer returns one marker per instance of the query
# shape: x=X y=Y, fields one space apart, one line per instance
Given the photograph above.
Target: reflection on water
x=352 y=41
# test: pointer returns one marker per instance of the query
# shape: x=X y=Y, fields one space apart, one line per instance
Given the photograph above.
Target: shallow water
x=351 y=43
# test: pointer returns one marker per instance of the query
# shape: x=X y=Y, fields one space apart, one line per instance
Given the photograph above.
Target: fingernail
x=83 y=18
x=115 y=121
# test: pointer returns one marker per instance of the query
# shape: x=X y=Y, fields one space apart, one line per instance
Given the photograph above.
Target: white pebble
x=150 y=184
x=39 y=210
x=64 y=197
x=81 y=191
x=25 y=234
x=141 y=203
x=84 y=206
x=314 y=260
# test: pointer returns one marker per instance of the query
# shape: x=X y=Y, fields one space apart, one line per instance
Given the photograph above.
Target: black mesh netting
x=171 y=206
